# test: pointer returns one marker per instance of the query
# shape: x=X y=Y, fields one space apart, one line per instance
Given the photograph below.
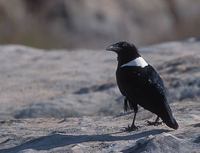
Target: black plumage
x=141 y=85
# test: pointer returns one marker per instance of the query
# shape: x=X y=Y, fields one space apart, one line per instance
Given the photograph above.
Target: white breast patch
x=140 y=62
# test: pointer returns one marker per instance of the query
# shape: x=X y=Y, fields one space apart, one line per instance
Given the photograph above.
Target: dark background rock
x=95 y=24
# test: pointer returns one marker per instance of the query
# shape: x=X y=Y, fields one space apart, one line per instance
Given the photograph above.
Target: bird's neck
x=123 y=59
x=137 y=62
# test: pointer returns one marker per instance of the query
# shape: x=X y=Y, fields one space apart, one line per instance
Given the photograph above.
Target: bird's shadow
x=60 y=140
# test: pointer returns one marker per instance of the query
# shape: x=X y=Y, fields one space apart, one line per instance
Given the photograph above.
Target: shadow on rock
x=197 y=140
x=95 y=88
x=60 y=140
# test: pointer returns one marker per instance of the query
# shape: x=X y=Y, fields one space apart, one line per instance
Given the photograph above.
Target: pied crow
x=140 y=84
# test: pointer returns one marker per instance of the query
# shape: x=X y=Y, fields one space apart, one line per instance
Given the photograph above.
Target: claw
x=131 y=128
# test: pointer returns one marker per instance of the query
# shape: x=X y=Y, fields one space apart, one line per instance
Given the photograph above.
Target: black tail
x=171 y=123
x=168 y=118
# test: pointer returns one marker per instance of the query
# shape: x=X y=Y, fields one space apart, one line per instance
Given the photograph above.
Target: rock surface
x=103 y=134
x=39 y=83
x=68 y=101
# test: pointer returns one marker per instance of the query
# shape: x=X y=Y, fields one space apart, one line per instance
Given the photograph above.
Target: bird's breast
x=130 y=80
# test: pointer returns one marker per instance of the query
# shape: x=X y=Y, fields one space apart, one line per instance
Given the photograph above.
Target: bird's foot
x=153 y=123
x=131 y=128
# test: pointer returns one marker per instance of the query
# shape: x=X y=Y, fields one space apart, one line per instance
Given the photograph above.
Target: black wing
x=145 y=87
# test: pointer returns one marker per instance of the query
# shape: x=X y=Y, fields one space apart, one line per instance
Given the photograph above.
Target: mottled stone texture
x=67 y=101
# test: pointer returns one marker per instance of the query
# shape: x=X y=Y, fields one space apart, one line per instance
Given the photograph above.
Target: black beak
x=113 y=48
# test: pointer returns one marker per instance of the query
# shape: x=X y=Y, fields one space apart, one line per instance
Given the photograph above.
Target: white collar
x=140 y=62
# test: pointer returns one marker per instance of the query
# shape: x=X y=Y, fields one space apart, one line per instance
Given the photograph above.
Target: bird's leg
x=133 y=127
x=155 y=123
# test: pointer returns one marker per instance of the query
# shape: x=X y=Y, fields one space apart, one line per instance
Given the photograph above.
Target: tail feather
x=167 y=117
x=128 y=105
x=169 y=120
x=172 y=123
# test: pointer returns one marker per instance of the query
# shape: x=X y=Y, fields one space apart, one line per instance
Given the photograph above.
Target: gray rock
x=42 y=91
x=103 y=134
x=39 y=83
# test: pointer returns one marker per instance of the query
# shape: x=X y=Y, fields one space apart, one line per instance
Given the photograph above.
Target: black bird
x=141 y=85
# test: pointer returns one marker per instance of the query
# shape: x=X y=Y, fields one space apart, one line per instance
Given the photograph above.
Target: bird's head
x=125 y=51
